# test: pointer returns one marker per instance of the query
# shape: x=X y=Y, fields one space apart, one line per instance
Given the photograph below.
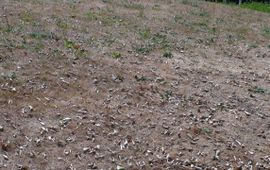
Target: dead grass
x=133 y=84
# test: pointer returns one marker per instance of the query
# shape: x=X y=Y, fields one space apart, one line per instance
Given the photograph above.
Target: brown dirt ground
x=145 y=84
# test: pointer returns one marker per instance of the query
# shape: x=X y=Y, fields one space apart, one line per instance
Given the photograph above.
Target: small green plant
x=69 y=44
x=26 y=16
x=193 y=3
x=145 y=33
x=141 y=14
x=222 y=107
x=166 y=95
x=252 y=45
x=177 y=18
x=201 y=13
x=74 y=48
x=62 y=24
x=206 y=130
x=268 y=46
x=161 y=41
x=266 y=30
x=105 y=17
x=257 y=89
x=116 y=55
x=134 y=6
x=9 y=76
x=41 y=35
x=156 y=7
x=91 y=15
x=143 y=49
x=168 y=54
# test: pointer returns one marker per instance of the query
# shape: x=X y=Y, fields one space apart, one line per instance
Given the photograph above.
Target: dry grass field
x=133 y=84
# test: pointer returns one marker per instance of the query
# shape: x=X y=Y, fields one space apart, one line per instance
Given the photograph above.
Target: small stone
x=5 y=157
x=1 y=128
x=86 y=149
x=118 y=167
x=6 y=146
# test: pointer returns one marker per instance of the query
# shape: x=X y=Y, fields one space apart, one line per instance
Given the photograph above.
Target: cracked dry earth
x=145 y=84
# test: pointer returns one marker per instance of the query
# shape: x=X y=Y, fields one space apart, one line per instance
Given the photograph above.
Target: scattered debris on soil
x=145 y=84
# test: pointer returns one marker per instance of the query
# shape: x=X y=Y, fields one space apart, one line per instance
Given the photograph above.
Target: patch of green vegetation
x=257 y=6
x=26 y=16
x=193 y=3
x=252 y=45
x=9 y=75
x=266 y=30
x=168 y=54
x=145 y=33
x=155 y=41
x=166 y=95
x=69 y=44
x=222 y=107
x=141 y=14
x=106 y=1
x=156 y=7
x=116 y=55
x=219 y=20
x=104 y=17
x=177 y=18
x=161 y=41
x=41 y=35
x=75 y=48
x=132 y=5
x=109 y=40
x=268 y=46
x=258 y=90
x=143 y=49
x=62 y=23
x=91 y=15
x=206 y=130
x=200 y=12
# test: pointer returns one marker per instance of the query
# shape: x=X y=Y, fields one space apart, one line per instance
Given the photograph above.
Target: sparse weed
x=168 y=54
x=156 y=7
x=266 y=30
x=9 y=75
x=252 y=45
x=257 y=89
x=116 y=55
x=193 y=3
x=41 y=35
x=145 y=33
x=104 y=17
x=132 y=5
x=177 y=18
x=140 y=78
x=91 y=15
x=141 y=14
x=201 y=13
x=166 y=95
x=143 y=49
x=75 y=48
x=62 y=24
x=26 y=16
